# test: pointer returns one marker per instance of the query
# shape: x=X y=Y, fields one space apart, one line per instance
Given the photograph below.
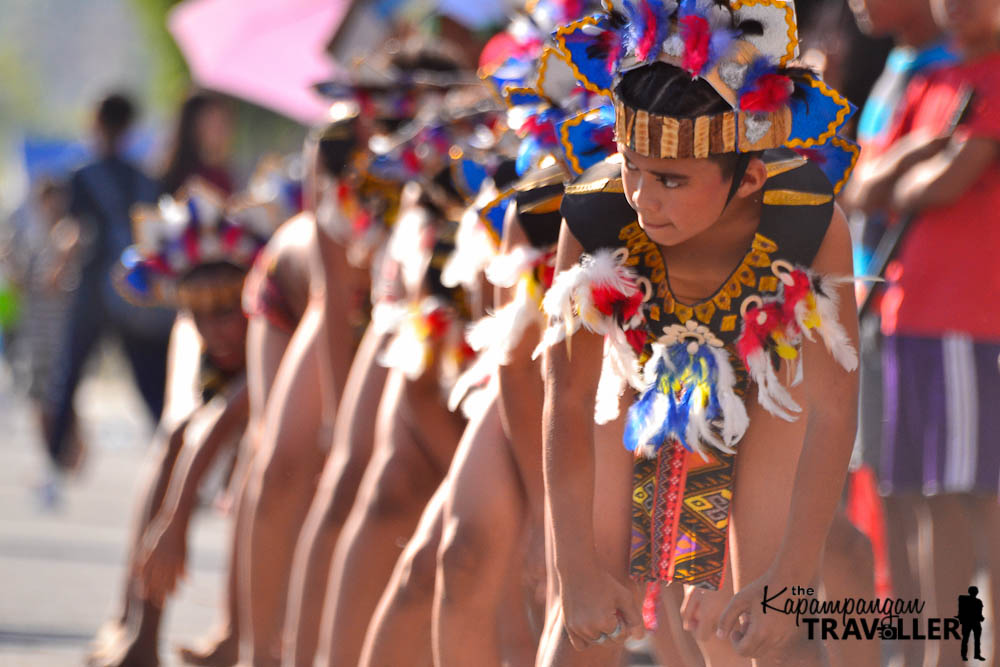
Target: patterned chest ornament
x=687 y=383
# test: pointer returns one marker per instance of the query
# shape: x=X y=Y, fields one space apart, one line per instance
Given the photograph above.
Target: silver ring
x=617 y=631
x=601 y=638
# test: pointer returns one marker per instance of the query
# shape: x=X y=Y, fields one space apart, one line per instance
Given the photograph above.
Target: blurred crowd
x=349 y=337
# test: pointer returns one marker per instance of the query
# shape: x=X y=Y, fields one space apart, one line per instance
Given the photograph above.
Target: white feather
x=406 y=352
x=735 y=420
x=473 y=251
x=495 y=337
x=609 y=390
x=831 y=330
x=388 y=316
x=505 y=270
x=772 y=396
x=406 y=245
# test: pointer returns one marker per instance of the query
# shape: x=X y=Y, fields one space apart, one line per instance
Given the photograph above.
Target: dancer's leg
x=400 y=630
x=281 y=487
x=408 y=464
x=353 y=437
x=483 y=525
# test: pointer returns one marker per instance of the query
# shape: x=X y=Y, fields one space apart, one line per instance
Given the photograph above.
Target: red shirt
x=947 y=276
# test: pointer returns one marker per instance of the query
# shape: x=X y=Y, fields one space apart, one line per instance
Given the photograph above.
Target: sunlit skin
x=223 y=330
x=788 y=478
x=177 y=464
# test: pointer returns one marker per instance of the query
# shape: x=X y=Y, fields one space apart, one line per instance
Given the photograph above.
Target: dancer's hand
x=752 y=632
x=702 y=609
x=597 y=608
x=162 y=561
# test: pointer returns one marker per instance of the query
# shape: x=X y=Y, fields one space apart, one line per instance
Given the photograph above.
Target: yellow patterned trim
x=855 y=151
x=793 y=31
x=668 y=138
x=795 y=198
x=560 y=38
x=571 y=156
x=834 y=126
x=642 y=132
x=543 y=68
x=550 y=205
x=509 y=90
x=600 y=185
x=489 y=207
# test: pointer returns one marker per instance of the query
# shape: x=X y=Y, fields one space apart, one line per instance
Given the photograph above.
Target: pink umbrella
x=267 y=52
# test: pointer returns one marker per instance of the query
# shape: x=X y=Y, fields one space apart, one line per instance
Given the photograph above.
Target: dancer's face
x=676 y=199
x=223 y=330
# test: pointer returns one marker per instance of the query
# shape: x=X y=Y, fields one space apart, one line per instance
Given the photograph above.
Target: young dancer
x=710 y=265
x=193 y=254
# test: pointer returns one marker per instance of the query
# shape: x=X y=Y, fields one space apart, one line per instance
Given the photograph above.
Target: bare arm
x=591 y=597
x=943 y=178
x=164 y=546
x=871 y=187
x=831 y=394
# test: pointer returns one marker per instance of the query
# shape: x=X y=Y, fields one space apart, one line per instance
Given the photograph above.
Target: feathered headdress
x=744 y=49
x=179 y=235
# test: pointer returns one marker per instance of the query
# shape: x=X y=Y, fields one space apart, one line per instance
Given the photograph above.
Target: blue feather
x=636 y=25
x=718 y=47
x=756 y=69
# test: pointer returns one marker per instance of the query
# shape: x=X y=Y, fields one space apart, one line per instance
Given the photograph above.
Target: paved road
x=60 y=572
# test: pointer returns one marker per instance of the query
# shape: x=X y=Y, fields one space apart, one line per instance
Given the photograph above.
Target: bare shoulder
x=570 y=249
x=834 y=255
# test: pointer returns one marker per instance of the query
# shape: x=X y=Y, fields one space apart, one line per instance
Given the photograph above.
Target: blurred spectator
x=941 y=172
x=101 y=196
x=920 y=48
x=52 y=272
x=201 y=144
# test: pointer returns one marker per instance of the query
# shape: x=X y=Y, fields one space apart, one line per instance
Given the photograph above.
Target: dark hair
x=335 y=144
x=214 y=272
x=666 y=90
x=184 y=158
x=115 y=114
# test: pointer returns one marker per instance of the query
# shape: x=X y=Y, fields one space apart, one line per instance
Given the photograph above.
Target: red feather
x=795 y=293
x=697 y=37
x=770 y=94
x=411 y=161
x=610 y=301
x=756 y=332
x=231 y=236
x=636 y=338
x=647 y=42
x=437 y=322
